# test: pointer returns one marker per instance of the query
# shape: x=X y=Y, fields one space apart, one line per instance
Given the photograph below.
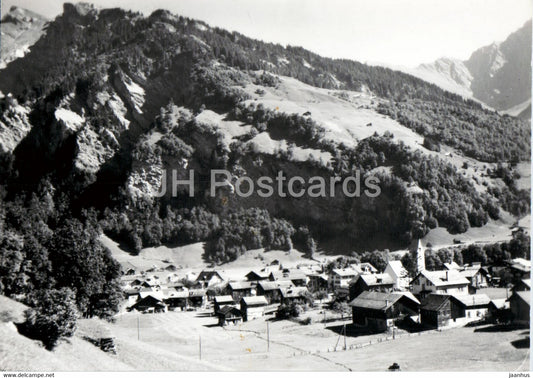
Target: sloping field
x=492 y=232
x=189 y=256
x=345 y=120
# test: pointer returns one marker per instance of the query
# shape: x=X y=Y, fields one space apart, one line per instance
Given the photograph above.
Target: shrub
x=52 y=318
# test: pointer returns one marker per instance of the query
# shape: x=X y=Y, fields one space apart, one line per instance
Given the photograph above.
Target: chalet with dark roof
x=379 y=311
x=371 y=282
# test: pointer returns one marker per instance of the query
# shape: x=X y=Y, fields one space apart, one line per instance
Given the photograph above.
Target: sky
x=393 y=32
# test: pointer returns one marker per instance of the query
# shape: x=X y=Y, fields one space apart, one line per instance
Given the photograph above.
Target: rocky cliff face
x=498 y=75
x=20 y=29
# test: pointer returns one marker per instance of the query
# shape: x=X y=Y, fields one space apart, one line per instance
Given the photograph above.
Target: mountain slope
x=498 y=75
x=20 y=29
x=111 y=100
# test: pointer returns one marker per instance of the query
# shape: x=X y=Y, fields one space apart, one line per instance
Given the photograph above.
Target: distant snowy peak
x=498 y=75
x=20 y=29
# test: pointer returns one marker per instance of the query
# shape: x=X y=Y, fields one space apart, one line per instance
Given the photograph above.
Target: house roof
x=206 y=275
x=524 y=295
x=319 y=275
x=377 y=300
x=521 y=264
x=149 y=301
x=260 y=274
x=473 y=300
x=273 y=285
x=438 y=277
x=500 y=303
x=527 y=282
x=452 y=266
x=229 y=310
x=258 y=300
x=397 y=267
x=156 y=294
x=176 y=294
x=345 y=272
x=290 y=275
x=367 y=266
x=131 y=291
x=376 y=279
x=224 y=299
x=196 y=293
x=240 y=285
x=434 y=302
x=294 y=292
x=469 y=272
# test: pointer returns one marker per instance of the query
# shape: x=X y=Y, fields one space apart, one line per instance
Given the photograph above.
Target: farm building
x=523 y=285
x=371 y=282
x=197 y=298
x=365 y=268
x=132 y=295
x=446 y=310
x=271 y=290
x=379 y=311
x=520 y=268
x=398 y=273
x=472 y=307
x=297 y=277
x=519 y=304
x=439 y=282
x=176 y=299
x=239 y=289
x=149 y=304
x=209 y=278
x=477 y=275
x=317 y=282
x=296 y=295
x=340 y=278
x=499 y=311
x=221 y=301
x=436 y=310
x=253 y=307
x=229 y=315
x=255 y=276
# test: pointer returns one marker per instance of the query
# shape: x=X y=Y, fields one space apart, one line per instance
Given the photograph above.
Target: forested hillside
x=108 y=100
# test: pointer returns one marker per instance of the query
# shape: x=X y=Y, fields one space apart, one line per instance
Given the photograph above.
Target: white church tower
x=419 y=249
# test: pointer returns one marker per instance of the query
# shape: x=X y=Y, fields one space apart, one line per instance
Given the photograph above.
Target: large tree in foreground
x=52 y=316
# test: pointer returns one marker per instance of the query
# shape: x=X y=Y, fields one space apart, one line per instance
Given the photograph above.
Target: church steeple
x=418 y=248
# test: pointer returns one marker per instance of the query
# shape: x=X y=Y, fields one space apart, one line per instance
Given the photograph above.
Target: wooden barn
x=229 y=315
x=271 y=290
x=150 y=304
x=239 y=290
x=379 y=311
x=294 y=295
x=370 y=282
x=222 y=301
x=519 y=303
x=253 y=307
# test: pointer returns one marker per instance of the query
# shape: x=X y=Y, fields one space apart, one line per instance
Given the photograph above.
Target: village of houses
x=388 y=302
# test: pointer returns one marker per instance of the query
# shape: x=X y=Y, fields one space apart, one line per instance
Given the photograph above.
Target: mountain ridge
x=110 y=99
x=499 y=74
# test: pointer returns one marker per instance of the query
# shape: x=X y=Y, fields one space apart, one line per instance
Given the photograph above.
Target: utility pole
x=200 y=346
x=344 y=336
x=138 y=327
x=268 y=337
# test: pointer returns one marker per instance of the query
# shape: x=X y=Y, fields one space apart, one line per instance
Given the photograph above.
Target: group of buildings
x=379 y=300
